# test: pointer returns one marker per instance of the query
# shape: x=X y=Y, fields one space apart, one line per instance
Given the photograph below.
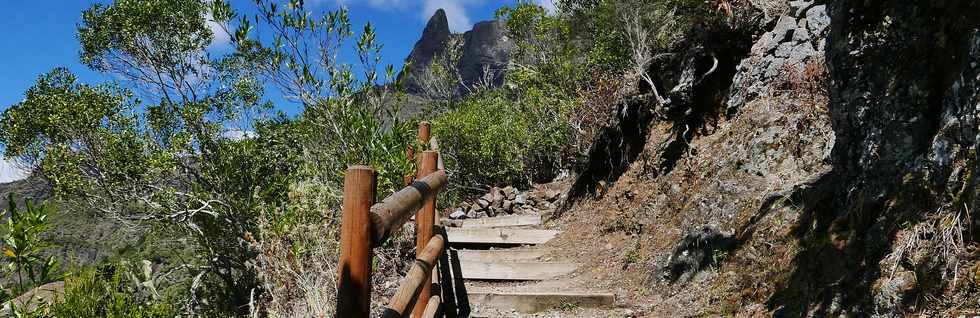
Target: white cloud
x=221 y=38
x=548 y=5
x=459 y=21
x=238 y=134
x=10 y=170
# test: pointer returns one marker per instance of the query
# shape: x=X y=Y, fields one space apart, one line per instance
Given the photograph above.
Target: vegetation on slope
x=235 y=206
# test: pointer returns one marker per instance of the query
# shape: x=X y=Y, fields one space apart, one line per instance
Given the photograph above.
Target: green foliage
x=567 y=306
x=158 y=43
x=501 y=138
x=347 y=119
x=22 y=245
x=60 y=119
x=164 y=165
x=545 y=44
x=519 y=133
x=105 y=293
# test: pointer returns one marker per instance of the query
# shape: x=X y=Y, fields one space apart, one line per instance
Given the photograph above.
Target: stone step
x=499 y=236
x=501 y=221
x=537 y=301
x=503 y=255
x=514 y=271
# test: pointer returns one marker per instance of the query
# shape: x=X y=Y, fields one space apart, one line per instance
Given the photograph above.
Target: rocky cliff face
x=486 y=52
x=840 y=181
x=478 y=57
x=904 y=98
x=799 y=37
x=432 y=44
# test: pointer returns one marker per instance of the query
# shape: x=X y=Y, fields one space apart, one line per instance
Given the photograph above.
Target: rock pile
x=799 y=36
x=509 y=200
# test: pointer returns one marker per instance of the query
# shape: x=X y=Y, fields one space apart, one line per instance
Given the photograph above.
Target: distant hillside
x=32 y=187
x=77 y=235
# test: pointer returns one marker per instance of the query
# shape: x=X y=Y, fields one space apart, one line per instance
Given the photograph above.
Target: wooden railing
x=366 y=225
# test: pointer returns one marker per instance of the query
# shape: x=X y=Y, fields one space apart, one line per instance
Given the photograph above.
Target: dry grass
x=938 y=238
x=297 y=270
x=809 y=84
x=596 y=110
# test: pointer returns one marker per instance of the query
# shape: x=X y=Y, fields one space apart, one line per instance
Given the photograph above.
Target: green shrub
x=22 y=245
x=105 y=293
x=499 y=138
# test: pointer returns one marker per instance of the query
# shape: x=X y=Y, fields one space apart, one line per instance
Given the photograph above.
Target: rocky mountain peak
x=483 y=53
x=486 y=53
x=432 y=43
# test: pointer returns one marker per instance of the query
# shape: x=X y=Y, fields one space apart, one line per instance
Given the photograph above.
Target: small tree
x=23 y=245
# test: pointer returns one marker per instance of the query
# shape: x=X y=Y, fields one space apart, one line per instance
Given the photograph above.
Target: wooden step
x=505 y=255
x=459 y=236
x=532 y=302
x=503 y=221
x=514 y=270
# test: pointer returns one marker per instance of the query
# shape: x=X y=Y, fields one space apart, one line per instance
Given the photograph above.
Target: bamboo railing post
x=354 y=287
x=424 y=222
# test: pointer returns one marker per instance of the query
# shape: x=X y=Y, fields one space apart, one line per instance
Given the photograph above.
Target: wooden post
x=432 y=309
x=424 y=221
x=424 y=133
x=354 y=287
x=410 y=154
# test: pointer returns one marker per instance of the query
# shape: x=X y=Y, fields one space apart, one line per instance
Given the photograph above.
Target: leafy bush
x=498 y=138
x=106 y=292
x=23 y=246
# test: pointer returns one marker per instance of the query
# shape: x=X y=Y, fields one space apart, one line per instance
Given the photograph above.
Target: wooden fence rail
x=389 y=215
x=409 y=291
x=366 y=225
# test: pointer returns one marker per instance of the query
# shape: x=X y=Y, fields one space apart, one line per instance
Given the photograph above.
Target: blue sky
x=40 y=36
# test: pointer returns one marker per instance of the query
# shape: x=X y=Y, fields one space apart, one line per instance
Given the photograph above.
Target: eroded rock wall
x=840 y=182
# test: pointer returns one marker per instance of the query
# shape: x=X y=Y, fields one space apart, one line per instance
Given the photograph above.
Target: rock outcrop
x=486 y=53
x=543 y=200
x=431 y=45
x=798 y=38
x=841 y=180
x=482 y=57
x=904 y=101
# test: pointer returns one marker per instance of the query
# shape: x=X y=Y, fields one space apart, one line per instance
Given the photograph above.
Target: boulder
x=817 y=20
x=785 y=49
x=552 y=195
x=483 y=202
x=801 y=34
x=508 y=206
x=510 y=193
x=473 y=213
x=799 y=7
x=784 y=29
x=497 y=198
